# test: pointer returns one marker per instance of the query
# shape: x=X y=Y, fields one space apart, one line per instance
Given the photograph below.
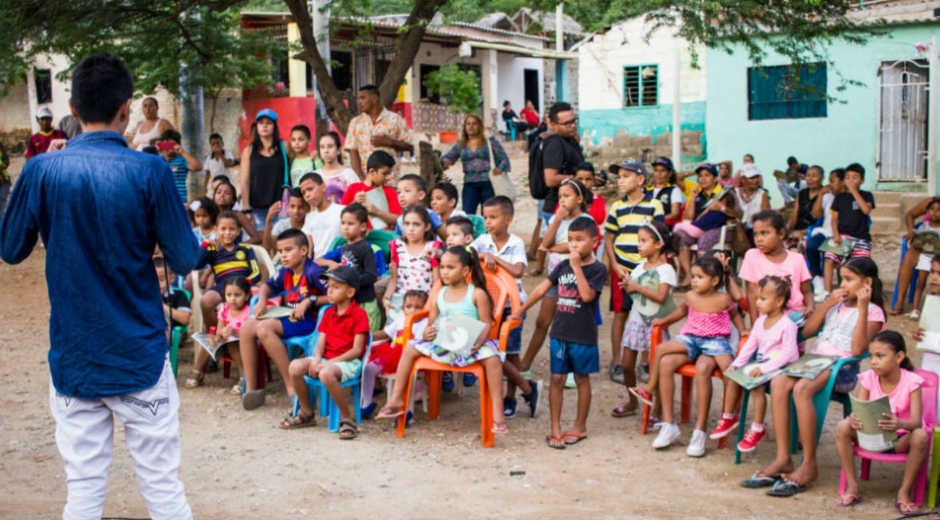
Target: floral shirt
x=476 y=163
x=362 y=129
x=414 y=272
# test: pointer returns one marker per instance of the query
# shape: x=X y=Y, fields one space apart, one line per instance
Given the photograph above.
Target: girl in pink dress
x=892 y=374
x=232 y=315
x=413 y=259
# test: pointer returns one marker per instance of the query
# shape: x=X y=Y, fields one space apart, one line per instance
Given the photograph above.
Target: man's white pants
x=85 y=436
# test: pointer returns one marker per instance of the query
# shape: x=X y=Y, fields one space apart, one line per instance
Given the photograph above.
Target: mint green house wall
x=848 y=134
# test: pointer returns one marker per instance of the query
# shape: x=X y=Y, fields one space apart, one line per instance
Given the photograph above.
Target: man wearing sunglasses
x=561 y=154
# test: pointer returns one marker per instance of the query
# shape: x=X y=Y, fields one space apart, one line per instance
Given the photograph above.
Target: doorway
x=902 y=129
x=532 y=90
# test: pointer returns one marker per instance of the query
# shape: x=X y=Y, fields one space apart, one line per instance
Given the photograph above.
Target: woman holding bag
x=264 y=167
x=481 y=157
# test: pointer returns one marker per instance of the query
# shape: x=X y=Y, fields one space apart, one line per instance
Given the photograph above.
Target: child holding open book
x=892 y=375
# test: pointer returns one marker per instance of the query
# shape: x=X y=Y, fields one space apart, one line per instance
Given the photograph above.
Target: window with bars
x=43 y=79
x=787 y=92
x=641 y=86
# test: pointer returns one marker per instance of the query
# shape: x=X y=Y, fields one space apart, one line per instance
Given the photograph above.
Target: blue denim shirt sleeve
x=19 y=226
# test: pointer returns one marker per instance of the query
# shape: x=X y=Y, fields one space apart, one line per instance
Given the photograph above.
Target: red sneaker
x=725 y=426
x=751 y=440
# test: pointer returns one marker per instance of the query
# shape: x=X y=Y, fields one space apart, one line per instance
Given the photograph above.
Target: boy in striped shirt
x=624 y=219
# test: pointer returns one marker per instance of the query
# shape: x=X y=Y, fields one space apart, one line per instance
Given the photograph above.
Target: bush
x=459 y=90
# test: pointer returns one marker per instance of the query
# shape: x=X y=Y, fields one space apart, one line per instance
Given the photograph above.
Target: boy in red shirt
x=344 y=330
x=39 y=142
x=379 y=167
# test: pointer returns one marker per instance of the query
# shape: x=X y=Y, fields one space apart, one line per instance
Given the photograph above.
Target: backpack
x=537 y=187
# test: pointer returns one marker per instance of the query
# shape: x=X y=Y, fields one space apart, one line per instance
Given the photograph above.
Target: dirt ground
x=238 y=464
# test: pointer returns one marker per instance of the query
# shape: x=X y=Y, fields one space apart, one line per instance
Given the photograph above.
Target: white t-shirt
x=323 y=226
x=649 y=308
x=513 y=252
x=826 y=228
x=217 y=167
x=281 y=226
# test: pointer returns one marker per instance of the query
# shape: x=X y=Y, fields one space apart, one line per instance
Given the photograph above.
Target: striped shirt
x=624 y=221
x=239 y=261
x=180 y=169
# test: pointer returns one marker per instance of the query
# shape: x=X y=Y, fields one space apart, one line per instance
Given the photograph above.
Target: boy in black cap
x=344 y=330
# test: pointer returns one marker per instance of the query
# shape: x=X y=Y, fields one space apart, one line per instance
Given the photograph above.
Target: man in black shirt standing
x=561 y=153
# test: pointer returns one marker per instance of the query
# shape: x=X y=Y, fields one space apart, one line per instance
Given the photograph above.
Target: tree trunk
x=408 y=46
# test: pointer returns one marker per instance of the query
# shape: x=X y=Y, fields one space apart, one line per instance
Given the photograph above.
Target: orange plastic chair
x=687 y=372
x=502 y=288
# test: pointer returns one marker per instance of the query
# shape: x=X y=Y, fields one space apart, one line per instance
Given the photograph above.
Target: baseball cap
x=750 y=170
x=710 y=168
x=664 y=161
x=268 y=113
x=632 y=165
x=343 y=274
x=44 y=112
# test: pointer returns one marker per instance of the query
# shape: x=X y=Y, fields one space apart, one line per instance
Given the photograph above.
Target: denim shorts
x=846 y=378
x=711 y=347
x=514 y=342
x=568 y=357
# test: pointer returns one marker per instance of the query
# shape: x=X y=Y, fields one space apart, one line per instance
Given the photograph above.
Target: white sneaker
x=668 y=433
x=697 y=444
x=821 y=297
x=818 y=286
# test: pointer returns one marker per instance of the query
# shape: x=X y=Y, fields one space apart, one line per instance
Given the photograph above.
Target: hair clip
x=195 y=205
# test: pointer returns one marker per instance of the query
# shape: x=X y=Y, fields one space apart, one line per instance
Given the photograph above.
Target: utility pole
x=933 y=85
x=677 y=115
x=192 y=119
x=320 y=13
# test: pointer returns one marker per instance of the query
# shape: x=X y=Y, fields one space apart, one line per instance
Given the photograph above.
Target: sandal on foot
x=500 y=427
x=621 y=411
x=906 y=508
x=641 y=394
x=759 y=481
x=572 y=438
x=555 y=441
x=301 y=420
x=194 y=379
x=236 y=390
x=389 y=412
x=253 y=399
x=348 y=429
x=786 y=488
x=849 y=500
x=914 y=315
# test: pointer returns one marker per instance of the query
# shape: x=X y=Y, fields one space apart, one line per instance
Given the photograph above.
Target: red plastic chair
x=929 y=407
x=687 y=372
x=262 y=354
x=502 y=288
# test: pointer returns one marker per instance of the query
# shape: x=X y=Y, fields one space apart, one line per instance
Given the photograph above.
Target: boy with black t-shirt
x=850 y=220
x=580 y=280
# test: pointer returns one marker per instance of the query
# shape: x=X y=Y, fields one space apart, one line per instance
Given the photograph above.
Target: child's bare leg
x=629 y=378
x=759 y=398
x=667 y=384
x=542 y=324
x=803 y=393
x=584 y=404
x=916 y=446
x=535 y=241
x=236 y=356
x=685 y=266
x=494 y=379
x=270 y=333
x=780 y=389
x=201 y=360
x=668 y=349
x=514 y=376
x=828 y=269
x=919 y=289
x=908 y=264
x=732 y=391
x=845 y=436
x=298 y=369
x=331 y=376
x=616 y=334
x=408 y=357
x=556 y=394
x=704 y=367
x=247 y=338
x=210 y=300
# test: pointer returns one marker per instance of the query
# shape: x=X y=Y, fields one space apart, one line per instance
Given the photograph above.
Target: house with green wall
x=777 y=110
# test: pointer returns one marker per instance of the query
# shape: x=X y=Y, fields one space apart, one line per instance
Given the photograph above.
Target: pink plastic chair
x=929 y=406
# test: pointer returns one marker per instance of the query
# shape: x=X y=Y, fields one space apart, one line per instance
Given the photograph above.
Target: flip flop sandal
x=786 y=489
x=236 y=390
x=387 y=412
x=572 y=438
x=759 y=481
x=253 y=399
x=348 y=430
x=906 y=508
x=849 y=500
x=194 y=379
x=555 y=442
x=500 y=427
x=620 y=412
x=301 y=420
x=641 y=394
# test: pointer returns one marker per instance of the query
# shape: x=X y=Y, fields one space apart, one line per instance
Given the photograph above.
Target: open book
x=930 y=324
x=809 y=366
x=377 y=198
x=842 y=249
x=723 y=193
x=741 y=376
x=871 y=437
x=929 y=241
x=457 y=332
x=788 y=176
x=212 y=344
x=276 y=312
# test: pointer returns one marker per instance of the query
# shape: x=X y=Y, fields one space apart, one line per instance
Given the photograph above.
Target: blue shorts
x=846 y=378
x=304 y=327
x=711 y=347
x=568 y=357
x=514 y=342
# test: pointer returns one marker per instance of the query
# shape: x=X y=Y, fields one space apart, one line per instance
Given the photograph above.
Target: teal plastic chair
x=378 y=238
x=478 y=227
x=176 y=337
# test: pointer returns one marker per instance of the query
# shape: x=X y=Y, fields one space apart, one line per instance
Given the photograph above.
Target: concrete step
x=887 y=197
x=887 y=210
x=887 y=225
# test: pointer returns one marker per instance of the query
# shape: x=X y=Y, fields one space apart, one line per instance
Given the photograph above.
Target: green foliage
x=458 y=89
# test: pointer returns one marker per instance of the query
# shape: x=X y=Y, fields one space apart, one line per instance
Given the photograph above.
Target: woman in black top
x=264 y=167
x=802 y=216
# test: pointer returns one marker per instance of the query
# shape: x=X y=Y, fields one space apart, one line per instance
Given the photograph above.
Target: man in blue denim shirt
x=100 y=209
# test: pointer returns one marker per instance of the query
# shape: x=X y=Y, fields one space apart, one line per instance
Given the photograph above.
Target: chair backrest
x=502 y=288
x=479 y=228
x=264 y=260
x=381 y=238
x=928 y=396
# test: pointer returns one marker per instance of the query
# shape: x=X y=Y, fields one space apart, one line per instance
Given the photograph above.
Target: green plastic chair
x=176 y=336
x=478 y=227
x=378 y=238
x=934 y=469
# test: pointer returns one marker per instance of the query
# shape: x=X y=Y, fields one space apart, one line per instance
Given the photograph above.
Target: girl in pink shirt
x=892 y=374
x=232 y=315
x=773 y=339
x=771 y=257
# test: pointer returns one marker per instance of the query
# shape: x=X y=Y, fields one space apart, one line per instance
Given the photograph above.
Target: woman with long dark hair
x=474 y=150
x=264 y=167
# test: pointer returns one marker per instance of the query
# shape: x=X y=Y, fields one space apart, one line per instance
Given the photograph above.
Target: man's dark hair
x=792 y=160
x=298 y=236
x=171 y=135
x=419 y=181
x=503 y=203
x=561 y=106
x=216 y=136
x=378 y=159
x=101 y=84
x=312 y=176
x=301 y=128
x=296 y=193
x=857 y=168
x=465 y=224
x=372 y=89
x=584 y=224
x=840 y=173
x=450 y=191
x=358 y=211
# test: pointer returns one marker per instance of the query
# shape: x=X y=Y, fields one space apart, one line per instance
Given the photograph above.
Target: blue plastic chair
x=382 y=257
x=913 y=286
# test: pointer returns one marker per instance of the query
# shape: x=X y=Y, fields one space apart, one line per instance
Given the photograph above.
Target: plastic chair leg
x=175 y=349
x=486 y=413
x=433 y=379
x=409 y=386
x=686 y=401
x=866 y=469
x=742 y=420
x=934 y=470
x=357 y=403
